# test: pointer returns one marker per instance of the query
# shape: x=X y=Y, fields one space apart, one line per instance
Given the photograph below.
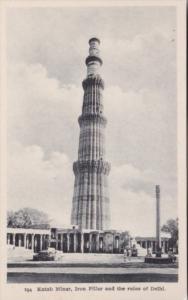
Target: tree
x=28 y=218
x=125 y=237
x=171 y=226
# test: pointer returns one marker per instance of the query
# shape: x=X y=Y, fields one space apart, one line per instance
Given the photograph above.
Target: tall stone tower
x=91 y=206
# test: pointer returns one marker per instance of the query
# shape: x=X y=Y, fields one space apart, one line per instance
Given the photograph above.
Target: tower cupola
x=93 y=61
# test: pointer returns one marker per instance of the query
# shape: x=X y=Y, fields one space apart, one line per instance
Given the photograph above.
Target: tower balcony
x=94 y=118
x=91 y=166
x=93 y=58
x=93 y=80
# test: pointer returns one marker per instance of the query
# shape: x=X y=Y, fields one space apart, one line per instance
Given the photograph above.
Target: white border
x=173 y=290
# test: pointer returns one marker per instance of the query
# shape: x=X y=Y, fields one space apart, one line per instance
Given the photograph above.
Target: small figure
x=171 y=255
x=125 y=254
x=149 y=252
x=129 y=252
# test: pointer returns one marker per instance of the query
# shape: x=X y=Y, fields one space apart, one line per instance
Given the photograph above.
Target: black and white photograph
x=93 y=148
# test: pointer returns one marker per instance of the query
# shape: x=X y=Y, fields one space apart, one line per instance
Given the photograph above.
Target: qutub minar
x=90 y=217
x=91 y=203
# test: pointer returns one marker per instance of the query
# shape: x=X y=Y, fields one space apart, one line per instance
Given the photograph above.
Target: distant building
x=151 y=242
x=75 y=240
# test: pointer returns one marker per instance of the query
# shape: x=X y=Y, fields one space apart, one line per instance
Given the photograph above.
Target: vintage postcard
x=93 y=150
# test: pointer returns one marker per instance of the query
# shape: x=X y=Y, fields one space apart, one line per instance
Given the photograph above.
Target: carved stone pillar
x=13 y=239
x=75 y=242
x=48 y=240
x=97 y=242
x=68 y=242
x=41 y=241
x=158 y=219
x=27 y=242
x=8 y=238
x=167 y=246
x=82 y=243
x=33 y=242
x=25 y=237
x=57 y=241
x=117 y=242
x=90 y=242
x=101 y=245
x=36 y=243
x=19 y=240
x=62 y=242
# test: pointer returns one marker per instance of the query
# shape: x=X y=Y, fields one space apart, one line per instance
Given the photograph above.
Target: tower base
x=160 y=260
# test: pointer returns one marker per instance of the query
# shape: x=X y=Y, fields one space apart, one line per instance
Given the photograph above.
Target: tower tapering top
x=94 y=39
x=94 y=47
x=93 y=61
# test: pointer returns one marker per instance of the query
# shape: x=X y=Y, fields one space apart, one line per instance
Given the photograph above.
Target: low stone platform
x=159 y=260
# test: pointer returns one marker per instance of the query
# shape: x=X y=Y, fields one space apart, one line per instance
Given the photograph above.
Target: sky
x=46 y=51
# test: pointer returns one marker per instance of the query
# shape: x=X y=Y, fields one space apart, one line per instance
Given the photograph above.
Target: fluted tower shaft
x=91 y=207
